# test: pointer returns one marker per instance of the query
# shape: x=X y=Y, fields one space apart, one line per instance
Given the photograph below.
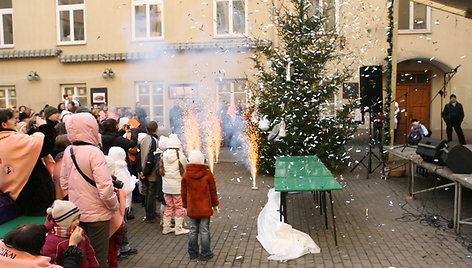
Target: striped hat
x=63 y=212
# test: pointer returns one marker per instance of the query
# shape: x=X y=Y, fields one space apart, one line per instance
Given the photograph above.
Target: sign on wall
x=99 y=95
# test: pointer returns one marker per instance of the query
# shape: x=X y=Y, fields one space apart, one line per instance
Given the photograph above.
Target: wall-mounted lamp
x=33 y=76
x=108 y=73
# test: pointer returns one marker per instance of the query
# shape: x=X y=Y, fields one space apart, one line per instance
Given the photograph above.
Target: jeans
x=199 y=226
x=150 y=190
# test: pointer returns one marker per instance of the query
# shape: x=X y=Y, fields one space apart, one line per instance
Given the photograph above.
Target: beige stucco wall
x=449 y=42
x=108 y=29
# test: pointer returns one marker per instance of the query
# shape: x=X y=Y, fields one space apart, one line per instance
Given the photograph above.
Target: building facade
x=160 y=52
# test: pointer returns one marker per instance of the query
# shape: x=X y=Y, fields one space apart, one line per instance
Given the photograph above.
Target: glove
x=216 y=210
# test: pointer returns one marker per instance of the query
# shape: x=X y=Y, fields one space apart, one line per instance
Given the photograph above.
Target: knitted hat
x=49 y=110
x=196 y=157
x=21 y=125
x=63 y=212
x=173 y=142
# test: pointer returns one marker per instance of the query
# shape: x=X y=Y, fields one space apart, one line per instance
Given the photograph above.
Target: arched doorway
x=413 y=95
x=418 y=80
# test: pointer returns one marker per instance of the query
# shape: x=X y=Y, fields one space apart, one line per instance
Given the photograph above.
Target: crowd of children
x=86 y=171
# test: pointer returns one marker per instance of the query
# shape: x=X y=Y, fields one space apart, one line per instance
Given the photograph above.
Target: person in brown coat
x=199 y=198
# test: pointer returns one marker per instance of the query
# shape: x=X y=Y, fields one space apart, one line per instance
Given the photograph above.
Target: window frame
x=148 y=36
x=231 y=33
x=321 y=4
x=6 y=11
x=76 y=95
x=7 y=98
x=71 y=9
x=231 y=92
x=411 y=23
x=150 y=115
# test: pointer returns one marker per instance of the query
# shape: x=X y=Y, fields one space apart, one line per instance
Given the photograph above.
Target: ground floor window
x=232 y=91
x=151 y=97
x=76 y=92
x=7 y=97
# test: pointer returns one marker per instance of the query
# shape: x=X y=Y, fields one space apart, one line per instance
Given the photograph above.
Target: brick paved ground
x=373 y=227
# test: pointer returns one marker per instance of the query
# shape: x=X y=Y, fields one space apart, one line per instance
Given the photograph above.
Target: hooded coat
x=121 y=172
x=172 y=178
x=23 y=176
x=95 y=203
x=11 y=257
x=199 y=191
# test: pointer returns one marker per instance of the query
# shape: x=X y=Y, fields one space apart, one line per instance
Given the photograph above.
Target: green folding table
x=305 y=173
x=9 y=225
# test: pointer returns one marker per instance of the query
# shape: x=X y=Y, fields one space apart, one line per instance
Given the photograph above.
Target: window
x=329 y=9
x=414 y=17
x=147 y=19
x=151 y=97
x=77 y=91
x=7 y=97
x=329 y=107
x=232 y=91
x=6 y=24
x=71 y=22
x=230 y=17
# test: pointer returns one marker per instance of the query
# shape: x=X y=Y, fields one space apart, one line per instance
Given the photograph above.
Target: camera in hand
x=117 y=183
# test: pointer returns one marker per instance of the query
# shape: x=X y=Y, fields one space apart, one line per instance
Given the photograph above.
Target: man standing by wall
x=453 y=115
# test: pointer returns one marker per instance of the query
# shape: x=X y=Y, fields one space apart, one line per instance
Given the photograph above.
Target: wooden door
x=414 y=103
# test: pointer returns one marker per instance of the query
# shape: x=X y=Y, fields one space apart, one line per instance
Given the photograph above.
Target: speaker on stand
x=371 y=102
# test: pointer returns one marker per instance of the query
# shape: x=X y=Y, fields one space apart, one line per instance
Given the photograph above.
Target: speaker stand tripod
x=368 y=156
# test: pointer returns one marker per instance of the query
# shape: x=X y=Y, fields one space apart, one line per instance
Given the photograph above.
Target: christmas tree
x=296 y=84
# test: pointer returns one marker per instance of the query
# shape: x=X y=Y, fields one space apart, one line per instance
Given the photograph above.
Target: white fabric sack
x=278 y=238
x=264 y=123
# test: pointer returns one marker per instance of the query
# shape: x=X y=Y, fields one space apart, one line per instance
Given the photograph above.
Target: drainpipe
x=393 y=86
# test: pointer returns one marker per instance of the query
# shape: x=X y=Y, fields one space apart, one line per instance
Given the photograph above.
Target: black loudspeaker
x=371 y=88
x=458 y=158
x=431 y=150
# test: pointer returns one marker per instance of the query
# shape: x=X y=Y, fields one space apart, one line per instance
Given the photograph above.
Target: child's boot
x=166 y=227
x=179 y=229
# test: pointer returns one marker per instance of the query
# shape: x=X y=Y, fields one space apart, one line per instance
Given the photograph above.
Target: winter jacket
x=172 y=179
x=453 y=114
x=24 y=176
x=145 y=145
x=117 y=220
x=11 y=257
x=56 y=244
x=110 y=139
x=95 y=203
x=56 y=177
x=121 y=172
x=199 y=191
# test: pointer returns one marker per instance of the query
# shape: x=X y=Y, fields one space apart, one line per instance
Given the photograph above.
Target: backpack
x=152 y=159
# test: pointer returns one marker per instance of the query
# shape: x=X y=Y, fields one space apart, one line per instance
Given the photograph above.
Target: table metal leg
x=411 y=180
x=283 y=206
x=321 y=202
x=457 y=208
x=334 y=217
x=324 y=208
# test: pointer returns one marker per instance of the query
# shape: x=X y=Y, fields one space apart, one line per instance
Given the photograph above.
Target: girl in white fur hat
x=172 y=166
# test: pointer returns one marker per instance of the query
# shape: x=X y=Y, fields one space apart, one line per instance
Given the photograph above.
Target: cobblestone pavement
x=377 y=226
